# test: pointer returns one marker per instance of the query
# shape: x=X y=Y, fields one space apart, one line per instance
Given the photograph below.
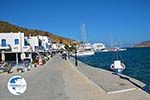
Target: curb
x=92 y=82
x=100 y=87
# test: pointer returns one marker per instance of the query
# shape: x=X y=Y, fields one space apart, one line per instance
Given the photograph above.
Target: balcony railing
x=27 y=49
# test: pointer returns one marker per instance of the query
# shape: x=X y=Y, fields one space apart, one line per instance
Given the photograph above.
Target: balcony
x=27 y=49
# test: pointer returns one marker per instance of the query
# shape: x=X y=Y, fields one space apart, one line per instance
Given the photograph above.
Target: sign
x=17 y=85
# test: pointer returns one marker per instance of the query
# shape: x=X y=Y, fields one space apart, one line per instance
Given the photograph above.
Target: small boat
x=104 y=50
x=117 y=65
x=123 y=49
x=115 y=49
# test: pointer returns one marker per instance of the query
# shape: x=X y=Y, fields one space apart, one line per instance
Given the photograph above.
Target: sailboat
x=84 y=49
x=114 y=47
x=117 y=64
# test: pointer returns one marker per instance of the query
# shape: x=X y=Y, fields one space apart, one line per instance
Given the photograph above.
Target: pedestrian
x=68 y=54
x=64 y=55
x=51 y=54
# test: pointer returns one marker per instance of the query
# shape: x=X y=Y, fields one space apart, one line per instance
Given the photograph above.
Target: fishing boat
x=117 y=64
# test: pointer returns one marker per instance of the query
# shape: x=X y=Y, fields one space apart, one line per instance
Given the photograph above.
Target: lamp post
x=76 y=61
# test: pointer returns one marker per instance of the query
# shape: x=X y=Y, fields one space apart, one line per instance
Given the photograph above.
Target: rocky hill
x=143 y=44
x=6 y=27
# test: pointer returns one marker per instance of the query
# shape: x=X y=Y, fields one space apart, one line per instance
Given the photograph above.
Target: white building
x=58 y=46
x=54 y=46
x=14 y=42
x=39 y=43
x=61 y=46
x=33 y=41
x=45 y=42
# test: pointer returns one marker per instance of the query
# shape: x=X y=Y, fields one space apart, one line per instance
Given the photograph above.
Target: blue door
x=3 y=41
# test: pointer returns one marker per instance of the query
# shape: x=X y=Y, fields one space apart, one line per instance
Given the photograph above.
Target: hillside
x=6 y=27
x=143 y=44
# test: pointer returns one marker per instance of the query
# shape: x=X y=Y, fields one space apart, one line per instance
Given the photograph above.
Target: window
x=16 y=41
x=26 y=54
x=26 y=43
x=49 y=41
x=3 y=42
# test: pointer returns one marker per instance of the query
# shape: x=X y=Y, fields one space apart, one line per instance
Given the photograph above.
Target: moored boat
x=98 y=47
x=84 y=50
x=117 y=64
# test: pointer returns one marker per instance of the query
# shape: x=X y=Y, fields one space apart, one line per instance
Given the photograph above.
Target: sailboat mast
x=83 y=33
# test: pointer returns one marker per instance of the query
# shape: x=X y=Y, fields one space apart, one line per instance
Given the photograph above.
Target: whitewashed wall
x=10 y=40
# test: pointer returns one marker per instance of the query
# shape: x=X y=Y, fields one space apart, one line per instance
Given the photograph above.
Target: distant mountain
x=143 y=44
x=6 y=27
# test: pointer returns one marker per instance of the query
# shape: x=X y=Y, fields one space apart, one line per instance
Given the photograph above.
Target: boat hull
x=84 y=53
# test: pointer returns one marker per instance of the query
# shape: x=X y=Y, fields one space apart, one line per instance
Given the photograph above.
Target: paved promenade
x=116 y=87
x=60 y=80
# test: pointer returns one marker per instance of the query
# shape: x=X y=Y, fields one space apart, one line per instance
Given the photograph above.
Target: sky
x=124 y=21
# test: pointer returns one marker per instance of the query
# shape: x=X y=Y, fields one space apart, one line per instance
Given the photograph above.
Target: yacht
x=84 y=50
x=98 y=47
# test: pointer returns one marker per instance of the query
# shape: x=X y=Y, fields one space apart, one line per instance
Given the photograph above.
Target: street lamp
x=76 y=61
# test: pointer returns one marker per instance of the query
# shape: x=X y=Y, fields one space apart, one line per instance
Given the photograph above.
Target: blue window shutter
x=3 y=41
x=16 y=41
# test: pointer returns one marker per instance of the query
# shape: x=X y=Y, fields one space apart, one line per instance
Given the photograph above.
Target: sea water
x=137 y=61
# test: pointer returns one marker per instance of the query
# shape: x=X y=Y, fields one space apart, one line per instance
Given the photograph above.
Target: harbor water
x=137 y=61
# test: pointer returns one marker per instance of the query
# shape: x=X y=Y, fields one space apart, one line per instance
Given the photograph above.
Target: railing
x=27 y=49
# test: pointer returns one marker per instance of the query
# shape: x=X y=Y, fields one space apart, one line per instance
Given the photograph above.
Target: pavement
x=59 y=79
x=109 y=81
x=115 y=86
